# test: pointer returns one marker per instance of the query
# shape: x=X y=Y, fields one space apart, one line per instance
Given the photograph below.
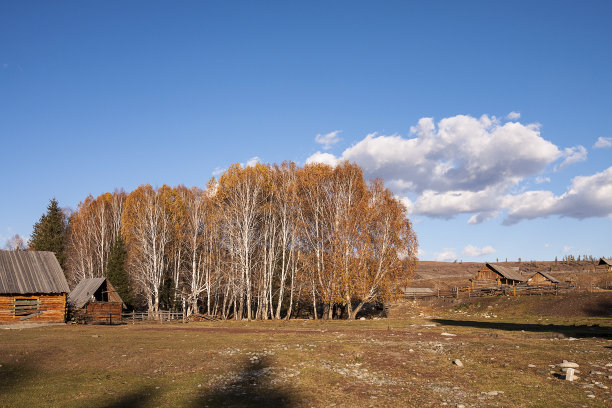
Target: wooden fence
x=161 y=316
x=503 y=290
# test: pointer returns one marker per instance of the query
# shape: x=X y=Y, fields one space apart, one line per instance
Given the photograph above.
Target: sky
x=491 y=121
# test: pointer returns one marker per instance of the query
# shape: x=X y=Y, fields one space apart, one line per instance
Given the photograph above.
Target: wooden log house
x=33 y=287
x=606 y=262
x=492 y=275
x=95 y=300
x=542 y=279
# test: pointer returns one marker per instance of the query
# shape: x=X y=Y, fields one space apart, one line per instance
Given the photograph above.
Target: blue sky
x=99 y=95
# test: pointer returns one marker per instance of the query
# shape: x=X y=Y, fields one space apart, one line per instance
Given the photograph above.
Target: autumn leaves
x=264 y=242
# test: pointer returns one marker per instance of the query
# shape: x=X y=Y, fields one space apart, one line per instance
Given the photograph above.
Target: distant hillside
x=433 y=274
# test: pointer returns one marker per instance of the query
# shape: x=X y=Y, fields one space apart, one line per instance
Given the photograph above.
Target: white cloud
x=573 y=155
x=603 y=142
x=325 y=158
x=328 y=139
x=546 y=245
x=218 y=171
x=461 y=153
x=477 y=166
x=252 y=161
x=587 y=196
x=446 y=255
x=513 y=115
x=566 y=249
x=475 y=252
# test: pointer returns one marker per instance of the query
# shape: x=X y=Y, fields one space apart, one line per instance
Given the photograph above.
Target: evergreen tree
x=50 y=231
x=116 y=273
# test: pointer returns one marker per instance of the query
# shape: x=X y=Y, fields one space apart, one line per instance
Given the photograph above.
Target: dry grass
x=312 y=364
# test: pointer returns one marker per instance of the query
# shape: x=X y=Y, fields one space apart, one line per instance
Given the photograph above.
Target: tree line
x=261 y=242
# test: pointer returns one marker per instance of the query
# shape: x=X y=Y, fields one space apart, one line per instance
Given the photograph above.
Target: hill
x=445 y=275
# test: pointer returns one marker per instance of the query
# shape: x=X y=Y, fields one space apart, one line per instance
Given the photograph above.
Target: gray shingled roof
x=507 y=272
x=605 y=261
x=83 y=292
x=24 y=272
x=547 y=276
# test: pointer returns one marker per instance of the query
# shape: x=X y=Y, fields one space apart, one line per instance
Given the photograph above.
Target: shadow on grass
x=251 y=387
x=137 y=399
x=24 y=373
x=603 y=308
x=16 y=376
x=573 y=331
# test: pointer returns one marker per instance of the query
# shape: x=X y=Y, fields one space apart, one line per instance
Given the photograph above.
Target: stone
x=492 y=393
x=531 y=366
x=576 y=371
x=448 y=334
x=458 y=363
x=362 y=318
x=568 y=364
x=569 y=374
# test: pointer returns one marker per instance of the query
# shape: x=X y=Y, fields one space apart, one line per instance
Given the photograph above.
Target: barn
x=542 y=279
x=496 y=275
x=606 y=262
x=95 y=300
x=33 y=287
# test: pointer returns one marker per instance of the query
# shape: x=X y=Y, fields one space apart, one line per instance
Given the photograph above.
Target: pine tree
x=50 y=231
x=116 y=273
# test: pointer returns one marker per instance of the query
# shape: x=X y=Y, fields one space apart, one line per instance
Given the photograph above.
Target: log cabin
x=95 y=300
x=542 y=279
x=33 y=287
x=496 y=275
x=606 y=262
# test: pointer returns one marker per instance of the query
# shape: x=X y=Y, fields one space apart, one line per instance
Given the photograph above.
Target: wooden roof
x=605 y=261
x=547 y=276
x=29 y=272
x=507 y=272
x=83 y=292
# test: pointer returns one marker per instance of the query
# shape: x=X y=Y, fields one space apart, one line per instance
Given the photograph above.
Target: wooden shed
x=606 y=262
x=496 y=275
x=95 y=300
x=33 y=287
x=542 y=279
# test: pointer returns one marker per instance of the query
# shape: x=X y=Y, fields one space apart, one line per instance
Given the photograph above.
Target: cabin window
x=25 y=307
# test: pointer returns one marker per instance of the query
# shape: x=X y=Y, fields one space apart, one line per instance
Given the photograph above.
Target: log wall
x=103 y=312
x=33 y=308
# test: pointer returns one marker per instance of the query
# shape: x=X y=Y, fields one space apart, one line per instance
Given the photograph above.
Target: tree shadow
x=136 y=399
x=17 y=376
x=567 y=330
x=252 y=386
x=603 y=308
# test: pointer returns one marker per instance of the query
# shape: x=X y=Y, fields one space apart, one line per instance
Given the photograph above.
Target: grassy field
x=403 y=361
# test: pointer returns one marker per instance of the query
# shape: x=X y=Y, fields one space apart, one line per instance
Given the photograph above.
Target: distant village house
x=542 y=279
x=495 y=275
x=606 y=262
x=33 y=287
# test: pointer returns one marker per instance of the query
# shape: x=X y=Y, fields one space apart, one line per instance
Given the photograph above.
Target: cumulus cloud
x=460 y=153
x=603 y=142
x=325 y=158
x=587 y=196
x=328 y=139
x=475 y=252
x=513 y=115
x=252 y=161
x=445 y=255
x=573 y=155
x=468 y=165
